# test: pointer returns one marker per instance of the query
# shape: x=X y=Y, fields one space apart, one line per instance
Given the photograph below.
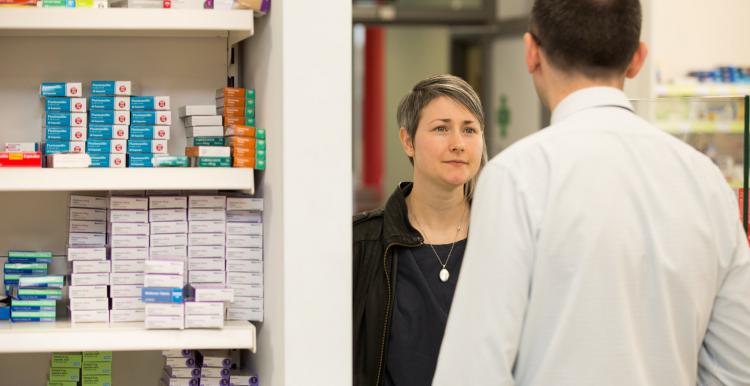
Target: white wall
x=411 y=54
x=699 y=34
x=300 y=62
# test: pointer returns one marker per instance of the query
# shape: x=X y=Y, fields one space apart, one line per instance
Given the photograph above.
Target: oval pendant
x=444 y=275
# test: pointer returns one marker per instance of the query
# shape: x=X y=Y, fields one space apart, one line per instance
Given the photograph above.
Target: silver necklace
x=444 y=274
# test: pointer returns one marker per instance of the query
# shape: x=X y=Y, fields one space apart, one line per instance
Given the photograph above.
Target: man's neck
x=560 y=85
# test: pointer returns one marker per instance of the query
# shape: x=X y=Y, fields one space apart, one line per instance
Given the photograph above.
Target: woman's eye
x=469 y=130
x=441 y=129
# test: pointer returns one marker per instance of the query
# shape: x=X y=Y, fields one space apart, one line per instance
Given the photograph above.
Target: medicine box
x=56 y=89
x=111 y=87
x=129 y=253
x=107 y=160
x=91 y=202
x=70 y=105
x=111 y=117
x=150 y=103
x=149 y=132
x=108 y=132
x=109 y=103
x=147 y=146
x=54 y=147
x=204 y=131
x=136 y=266
x=151 y=118
x=116 y=146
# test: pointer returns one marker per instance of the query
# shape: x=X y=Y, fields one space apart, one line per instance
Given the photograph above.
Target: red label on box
x=29 y=159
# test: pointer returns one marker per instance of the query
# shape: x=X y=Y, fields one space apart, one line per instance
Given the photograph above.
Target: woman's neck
x=437 y=213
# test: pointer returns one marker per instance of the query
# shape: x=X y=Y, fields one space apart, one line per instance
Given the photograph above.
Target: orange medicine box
x=240 y=131
x=243 y=152
x=249 y=162
x=233 y=120
x=237 y=92
x=231 y=111
x=249 y=143
x=230 y=102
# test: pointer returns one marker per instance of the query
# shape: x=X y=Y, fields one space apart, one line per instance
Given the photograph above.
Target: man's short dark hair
x=596 y=38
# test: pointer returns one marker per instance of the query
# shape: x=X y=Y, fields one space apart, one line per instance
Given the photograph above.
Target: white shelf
x=103 y=179
x=687 y=90
x=63 y=336
x=236 y=24
x=707 y=127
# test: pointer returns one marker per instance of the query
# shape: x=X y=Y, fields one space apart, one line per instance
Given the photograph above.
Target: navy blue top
x=420 y=313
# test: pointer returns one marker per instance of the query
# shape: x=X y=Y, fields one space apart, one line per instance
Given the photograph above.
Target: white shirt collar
x=587 y=98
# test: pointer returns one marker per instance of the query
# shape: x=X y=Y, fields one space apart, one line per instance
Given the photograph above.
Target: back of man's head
x=593 y=38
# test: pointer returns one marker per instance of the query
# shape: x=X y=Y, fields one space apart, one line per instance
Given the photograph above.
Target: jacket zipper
x=387 y=308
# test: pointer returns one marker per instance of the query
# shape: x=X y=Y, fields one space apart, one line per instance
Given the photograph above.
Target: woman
x=407 y=256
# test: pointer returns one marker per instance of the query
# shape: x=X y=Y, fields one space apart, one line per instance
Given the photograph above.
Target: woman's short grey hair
x=453 y=87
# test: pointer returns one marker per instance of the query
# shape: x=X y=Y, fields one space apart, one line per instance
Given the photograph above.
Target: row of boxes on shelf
x=150 y=250
x=204 y=367
x=93 y=368
x=101 y=125
x=259 y=6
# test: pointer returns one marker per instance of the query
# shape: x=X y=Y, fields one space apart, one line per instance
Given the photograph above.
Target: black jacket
x=378 y=235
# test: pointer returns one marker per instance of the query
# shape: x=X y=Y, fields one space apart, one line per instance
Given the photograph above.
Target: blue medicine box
x=161 y=295
x=149 y=103
x=109 y=103
x=140 y=160
x=54 y=147
x=65 y=119
x=111 y=87
x=109 y=118
x=151 y=118
x=65 y=133
x=108 y=132
x=149 y=132
x=65 y=105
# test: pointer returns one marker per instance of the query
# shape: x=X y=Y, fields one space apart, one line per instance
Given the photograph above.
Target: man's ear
x=637 y=62
x=407 y=143
x=532 y=52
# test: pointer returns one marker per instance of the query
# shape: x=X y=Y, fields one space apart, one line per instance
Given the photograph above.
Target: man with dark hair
x=602 y=251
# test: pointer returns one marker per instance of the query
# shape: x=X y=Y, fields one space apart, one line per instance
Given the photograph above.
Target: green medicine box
x=206 y=141
x=64 y=374
x=96 y=368
x=66 y=360
x=96 y=356
x=249 y=121
x=61 y=383
x=249 y=93
x=212 y=162
x=96 y=380
x=30 y=254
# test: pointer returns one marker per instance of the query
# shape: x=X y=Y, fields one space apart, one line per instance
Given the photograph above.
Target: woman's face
x=447 y=147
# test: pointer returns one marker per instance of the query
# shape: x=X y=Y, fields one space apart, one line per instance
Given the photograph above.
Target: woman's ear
x=407 y=143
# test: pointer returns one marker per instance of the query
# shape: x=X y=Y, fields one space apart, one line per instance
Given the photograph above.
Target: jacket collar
x=396 y=226
x=588 y=98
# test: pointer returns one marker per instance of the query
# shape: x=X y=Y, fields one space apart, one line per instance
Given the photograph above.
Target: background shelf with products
x=188 y=55
x=716 y=126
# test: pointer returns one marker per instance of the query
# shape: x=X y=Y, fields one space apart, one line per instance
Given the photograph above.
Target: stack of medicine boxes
x=129 y=242
x=96 y=368
x=33 y=293
x=109 y=120
x=244 y=255
x=181 y=367
x=65 y=117
x=88 y=253
x=65 y=369
x=151 y=118
x=237 y=107
x=206 y=261
x=165 y=269
x=204 y=130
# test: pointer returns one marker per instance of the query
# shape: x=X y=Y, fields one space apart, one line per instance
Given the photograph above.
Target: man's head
x=597 y=41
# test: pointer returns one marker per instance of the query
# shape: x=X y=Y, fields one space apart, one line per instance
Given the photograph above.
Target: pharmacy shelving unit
x=298 y=58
